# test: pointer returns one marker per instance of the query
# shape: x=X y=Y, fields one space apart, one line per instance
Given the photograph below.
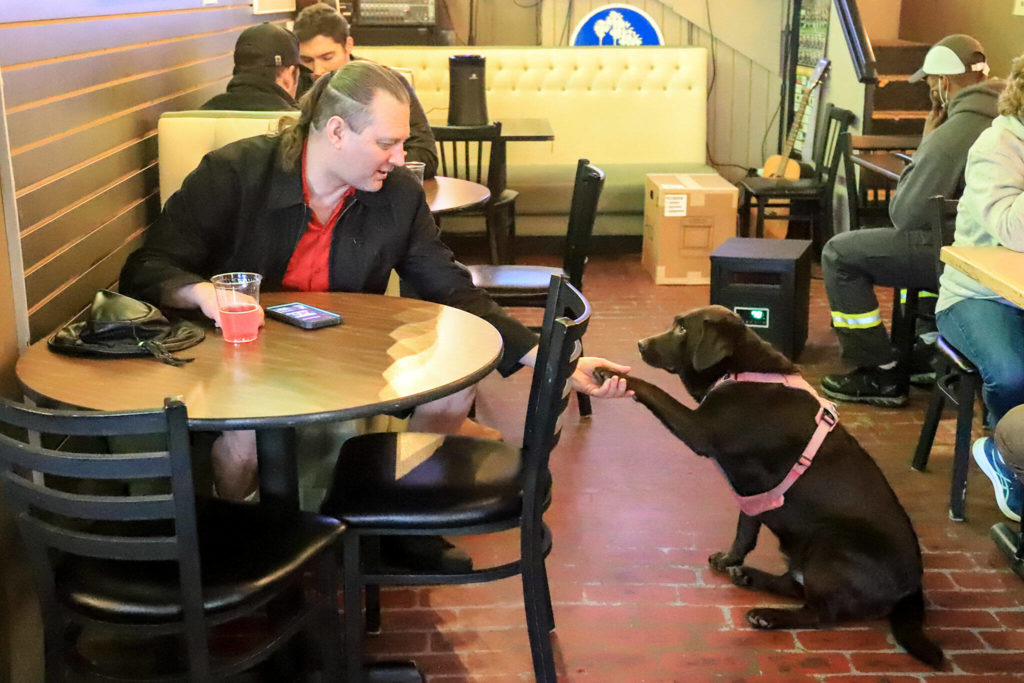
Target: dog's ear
x=709 y=346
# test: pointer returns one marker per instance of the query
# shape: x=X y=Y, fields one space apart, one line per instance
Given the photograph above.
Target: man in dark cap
x=853 y=263
x=266 y=74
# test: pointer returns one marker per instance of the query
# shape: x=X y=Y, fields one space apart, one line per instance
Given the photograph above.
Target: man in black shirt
x=266 y=74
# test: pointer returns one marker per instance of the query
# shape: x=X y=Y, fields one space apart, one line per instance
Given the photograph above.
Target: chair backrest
x=566 y=317
x=80 y=501
x=827 y=147
x=185 y=137
x=586 y=192
x=473 y=153
x=943 y=226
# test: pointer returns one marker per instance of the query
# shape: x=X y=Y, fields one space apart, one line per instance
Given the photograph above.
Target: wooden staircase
x=895 y=106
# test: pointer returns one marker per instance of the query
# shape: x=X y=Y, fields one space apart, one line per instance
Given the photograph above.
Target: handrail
x=857 y=41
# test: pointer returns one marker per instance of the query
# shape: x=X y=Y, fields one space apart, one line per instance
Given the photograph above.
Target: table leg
x=279 y=470
x=1011 y=543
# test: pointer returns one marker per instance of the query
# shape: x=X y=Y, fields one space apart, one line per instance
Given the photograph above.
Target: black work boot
x=874 y=386
x=922 y=368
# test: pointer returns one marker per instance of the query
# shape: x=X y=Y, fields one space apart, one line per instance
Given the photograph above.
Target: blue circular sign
x=617 y=25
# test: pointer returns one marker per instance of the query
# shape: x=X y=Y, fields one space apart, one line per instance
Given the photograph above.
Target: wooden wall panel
x=30 y=124
x=49 y=275
x=84 y=87
x=36 y=164
x=38 y=41
x=36 y=205
x=45 y=80
x=14 y=10
x=67 y=227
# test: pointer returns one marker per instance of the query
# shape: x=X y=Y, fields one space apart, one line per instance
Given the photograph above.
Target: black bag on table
x=119 y=326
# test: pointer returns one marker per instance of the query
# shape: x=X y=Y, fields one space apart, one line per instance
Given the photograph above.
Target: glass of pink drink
x=238 y=298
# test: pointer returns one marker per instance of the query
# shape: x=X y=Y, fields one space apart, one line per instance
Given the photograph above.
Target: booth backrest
x=609 y=104
x=185 y=137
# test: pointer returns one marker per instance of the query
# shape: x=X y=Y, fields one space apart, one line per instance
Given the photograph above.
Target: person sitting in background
x=266 y=73
x=324 y=206
x=854 y=262
x=1006 y=447
x=986 y=328
x=325 y=44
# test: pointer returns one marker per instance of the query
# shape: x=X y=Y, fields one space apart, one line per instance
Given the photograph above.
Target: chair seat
x=247 y=552
x=513 y=279
x=954 y=355
x=768 y=187
x=424 y=481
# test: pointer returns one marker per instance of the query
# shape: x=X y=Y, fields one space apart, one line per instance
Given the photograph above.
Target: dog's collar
x=826 y=420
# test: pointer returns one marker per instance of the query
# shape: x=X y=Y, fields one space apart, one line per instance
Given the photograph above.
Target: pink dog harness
x=826 y=420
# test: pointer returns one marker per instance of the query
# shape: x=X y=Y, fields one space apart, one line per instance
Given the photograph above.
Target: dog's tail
x=906 y=620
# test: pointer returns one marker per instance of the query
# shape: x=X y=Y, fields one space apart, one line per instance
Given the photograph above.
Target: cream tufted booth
x=185 y=137
x=631 y=111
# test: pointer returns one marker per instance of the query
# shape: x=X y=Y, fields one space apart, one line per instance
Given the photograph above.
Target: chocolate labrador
x=852 y=552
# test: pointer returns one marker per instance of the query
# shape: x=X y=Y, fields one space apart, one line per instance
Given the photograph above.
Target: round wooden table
x=447 y=195
x=390 y=354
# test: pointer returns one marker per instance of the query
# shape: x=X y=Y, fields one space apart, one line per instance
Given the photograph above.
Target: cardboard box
x=686 y=217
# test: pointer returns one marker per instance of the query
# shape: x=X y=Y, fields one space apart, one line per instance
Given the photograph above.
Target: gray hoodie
x=991 y=210
x=938 y=164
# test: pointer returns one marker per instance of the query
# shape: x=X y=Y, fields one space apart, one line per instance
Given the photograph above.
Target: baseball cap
x=266 y=45
x=955 y=54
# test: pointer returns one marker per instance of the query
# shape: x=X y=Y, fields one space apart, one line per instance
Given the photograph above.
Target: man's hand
x=585 y=380
x=937 y=116
x=202 y=295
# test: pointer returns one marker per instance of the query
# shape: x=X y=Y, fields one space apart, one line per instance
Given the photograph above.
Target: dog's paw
x=739 y=576
x=603 y=374
x=721 y=562
x=762 y=618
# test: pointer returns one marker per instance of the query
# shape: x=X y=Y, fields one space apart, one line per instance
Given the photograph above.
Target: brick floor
x=635 y=516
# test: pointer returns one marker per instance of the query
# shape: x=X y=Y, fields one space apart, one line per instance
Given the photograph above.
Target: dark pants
x=853 y=263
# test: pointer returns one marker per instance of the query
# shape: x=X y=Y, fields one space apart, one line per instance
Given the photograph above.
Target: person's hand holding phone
x=937 y=115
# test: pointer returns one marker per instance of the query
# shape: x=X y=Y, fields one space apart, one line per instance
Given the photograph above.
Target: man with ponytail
x=325 y=205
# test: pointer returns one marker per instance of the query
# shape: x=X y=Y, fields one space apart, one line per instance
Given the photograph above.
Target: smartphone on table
x=303 y=315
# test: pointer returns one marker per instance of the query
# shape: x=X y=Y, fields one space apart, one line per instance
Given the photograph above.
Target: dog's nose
x=642 y=345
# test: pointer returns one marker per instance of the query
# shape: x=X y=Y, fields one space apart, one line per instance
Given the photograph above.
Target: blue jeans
x=991 y=335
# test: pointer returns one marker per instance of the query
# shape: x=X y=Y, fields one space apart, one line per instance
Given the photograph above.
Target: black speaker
x=467 y=99
x=767 y=283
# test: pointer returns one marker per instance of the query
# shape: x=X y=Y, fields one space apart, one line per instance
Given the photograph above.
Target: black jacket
x=240 y=210
x=247 y=92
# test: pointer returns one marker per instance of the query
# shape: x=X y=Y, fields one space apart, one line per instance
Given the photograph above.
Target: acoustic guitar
x=781 y=165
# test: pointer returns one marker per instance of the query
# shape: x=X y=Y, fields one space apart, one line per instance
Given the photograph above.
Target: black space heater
x=467 y=100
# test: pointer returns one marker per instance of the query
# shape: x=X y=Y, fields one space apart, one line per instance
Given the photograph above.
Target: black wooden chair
x=157 y=571
x=406 y=483
x=521 y=285
x=477 y=153
x=809 y=200
x=956 y=380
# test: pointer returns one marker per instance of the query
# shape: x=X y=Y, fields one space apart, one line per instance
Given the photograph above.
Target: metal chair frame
x=76 y=504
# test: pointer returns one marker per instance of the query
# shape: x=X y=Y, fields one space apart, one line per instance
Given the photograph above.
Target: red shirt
x=308 y=267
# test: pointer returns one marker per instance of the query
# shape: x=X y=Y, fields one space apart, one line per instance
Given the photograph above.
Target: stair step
x=900 y=94
x=899 y=56
x=887 y=126
x=897 y=114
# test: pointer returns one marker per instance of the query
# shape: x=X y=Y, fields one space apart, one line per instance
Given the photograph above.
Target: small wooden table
x=874 y=143
x=516 y=130
x=1001 y=270
x=883 y=163
x=389 y=355
x=998 y=268
x=447 y=195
